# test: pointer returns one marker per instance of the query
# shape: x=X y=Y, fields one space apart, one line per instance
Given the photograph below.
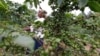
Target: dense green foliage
x=77 y=37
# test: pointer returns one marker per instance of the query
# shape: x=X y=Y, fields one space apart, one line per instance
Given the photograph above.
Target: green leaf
x=36 y=2
x=59 y=2
x=94 y=5
x=3 y=5
x=82 y=3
